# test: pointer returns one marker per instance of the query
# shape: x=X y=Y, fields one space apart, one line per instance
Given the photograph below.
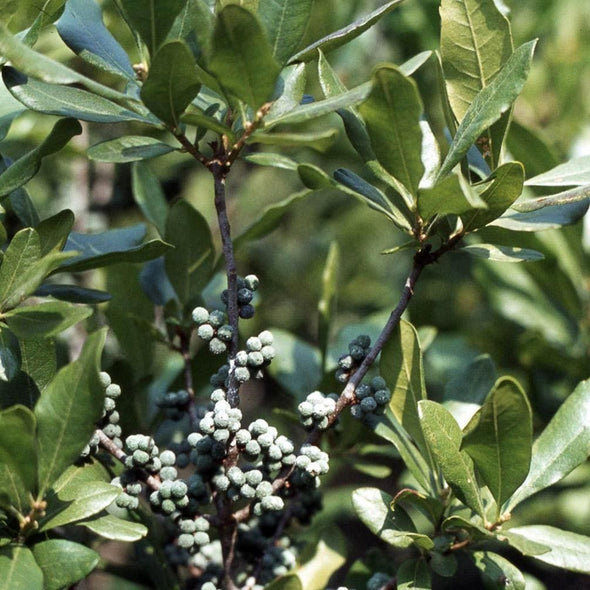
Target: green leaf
x=346 y=34
x=199 y=118
x=319 y=562
x=505 y=188
x=561 y=447
x=111 y=247
x=54 y=231
x=499 y=439
x=45 y=319
x=273 y=160
x=317 y=140
x=327 y=303
x=66 y=101
x=129 y=148
x=18 y=14
x=18 y=457
x=401 y=366
x=502 y=253
x=392 y=114
x=498 y=572
x=39 y=66
x=10 y=357
x=72 y=293
x=172 y=82
x=285 y=22
x=194 y=17
x=451 y=196
x=18 y=569
x=444 y=438
x=152 y=19
x=189 y=264
x=68 y=410
x=312 y=110
x=413 y=573
x=550 y=217
x=574 y=195
x=23 y=207
x=27 y=166
x=288 y=582
x=115 y=529
x=291 y=84
x=394 y=526
x=567 y=550
x=241 y=57
x=64 y=562
x=149 y=196
x=82 y=29
x=489 y=105
x=575 y=172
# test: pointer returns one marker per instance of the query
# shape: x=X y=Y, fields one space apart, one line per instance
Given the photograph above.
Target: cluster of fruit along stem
x=227 y=520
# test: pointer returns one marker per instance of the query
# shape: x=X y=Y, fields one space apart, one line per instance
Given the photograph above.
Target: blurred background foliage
x=532 y=319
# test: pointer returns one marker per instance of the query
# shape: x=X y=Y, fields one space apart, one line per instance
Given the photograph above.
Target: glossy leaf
x=346 y=34
x=413 y=573
x=155 y=282
x=68 y=410
x=499 y=439
x=489 y=105
x=319 y=562
x=152 y=19
x=574 y=195
x=194 y=17
x=18 y=569
x=392 y=115
x=111 y=247
x=575 y=172
x=189 y=264
x=497 y=571
x=401 y=366
x=285 y=22
x=241 y=56
x=64 y=562
x=72 y=293
x=290 y=88
x=23 y=169
x=567 y=550
x=82 y=29
x=327 y=303
x=505 y=187
x=129 y=148
x=45 y=319
x=561 y=447
x=149 y=196
x=502 y=253
x=271 y=159
x=115 y=529
x=54 y=231
x=18 y=457
x=66 y=101
x=444 y=439
x=172 y=82
x=10 y=357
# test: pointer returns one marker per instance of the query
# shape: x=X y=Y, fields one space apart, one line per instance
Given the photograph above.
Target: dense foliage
x=202 y=350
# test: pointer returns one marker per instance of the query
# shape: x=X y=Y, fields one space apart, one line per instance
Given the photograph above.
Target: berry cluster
x=349 y=363
x=142 y=453
x=131 y=485
x=246 y=287
x=258 y=354
x=316 y=410
x=193 y=532
x=213 y=328
x=373 y=399
x=174 y=403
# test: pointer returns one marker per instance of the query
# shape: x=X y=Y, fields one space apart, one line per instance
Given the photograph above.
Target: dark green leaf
x=18 y=14
x=23 y=207
x=489 y=105
x=327 y=303
x=550 y=217
x=499 y=439
x=575 y=172
x=66 y=101
x=10 y=357
x=504 y=189
x=54 y=231
x=152 y=19
x=82 y=29
x=189 y=264
x=26 y=167
x=392 y=114
x=285 y=22
x=18 y=569
x=155 y=283
x=444 y=438
x=195 y=17
x=498 y=572
x=413 y=573
x=241 y=57
x=444 y=565
x=199 y=118
x=290 y=86
x=561 y=447
x=172 y=82
x=346 y=34
x=149 y=196
x=115 y=529
x=72 y=293
x=502 y=253
x=314 y=177
x=64 y=562
x=111 y=247
x=45 y=319
x=129 y=148
x=18 y=458
x=68 y=410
